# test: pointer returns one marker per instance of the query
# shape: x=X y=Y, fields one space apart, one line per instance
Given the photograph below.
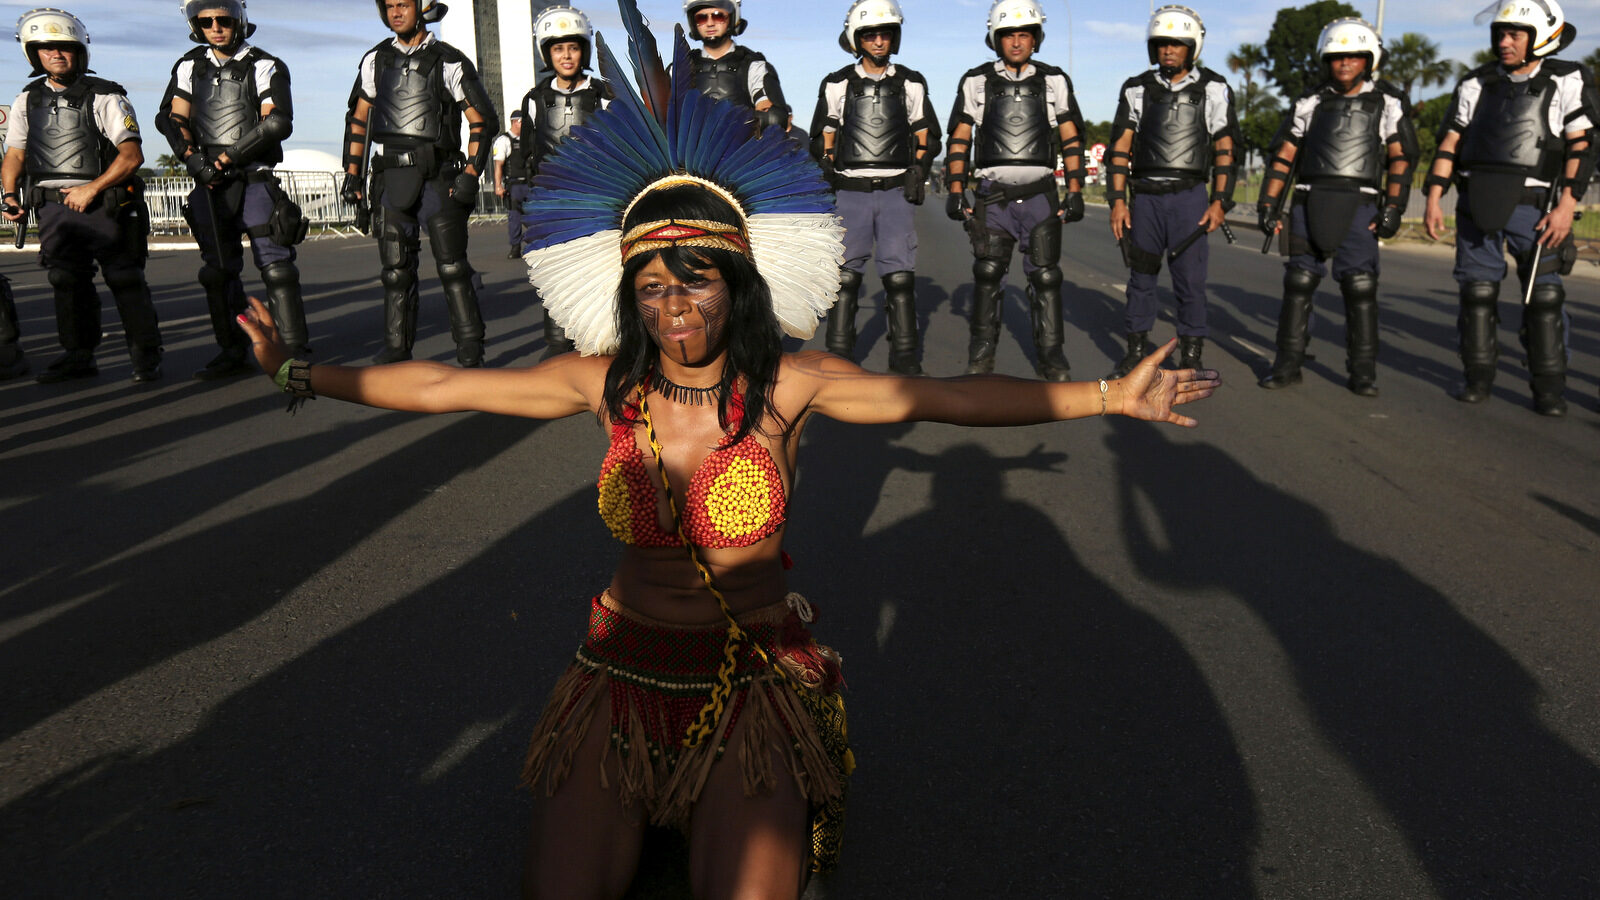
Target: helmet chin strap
x=1170 y=72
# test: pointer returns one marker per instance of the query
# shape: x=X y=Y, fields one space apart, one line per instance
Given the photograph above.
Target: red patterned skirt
x=656 y=676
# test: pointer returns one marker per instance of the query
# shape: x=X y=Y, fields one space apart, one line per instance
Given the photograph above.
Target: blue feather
x=654 y=89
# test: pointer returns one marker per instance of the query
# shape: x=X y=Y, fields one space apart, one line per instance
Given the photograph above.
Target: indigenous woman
x=675 y=252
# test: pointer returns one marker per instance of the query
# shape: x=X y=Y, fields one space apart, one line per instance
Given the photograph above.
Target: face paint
x=687 y=320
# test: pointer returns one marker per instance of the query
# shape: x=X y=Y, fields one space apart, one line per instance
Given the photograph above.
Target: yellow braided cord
x=712 y=711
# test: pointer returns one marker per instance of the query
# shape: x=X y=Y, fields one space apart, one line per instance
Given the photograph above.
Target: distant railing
x=317 y=193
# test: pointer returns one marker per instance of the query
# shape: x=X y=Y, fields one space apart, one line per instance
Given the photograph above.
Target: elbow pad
x=273 y=129
x=775 y=115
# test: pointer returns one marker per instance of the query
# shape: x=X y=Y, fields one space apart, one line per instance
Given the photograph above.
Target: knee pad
x=65 y=279
x=1044 y=243
x=211 y=278
x=280 y=274
x=447 y=238
x=849 y=280
x=457 y=270
x=1359 y=286
x=397 y=279
x=1298 y=281
x=393 y=252
x=1480 y=293
x=120 y=279
x=904 y=281
x=1547 y=298
x=1047 y=277
x=989 y=269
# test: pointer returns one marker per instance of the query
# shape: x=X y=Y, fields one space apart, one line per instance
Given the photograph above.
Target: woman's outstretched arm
x=561 y=387
x=844 y=391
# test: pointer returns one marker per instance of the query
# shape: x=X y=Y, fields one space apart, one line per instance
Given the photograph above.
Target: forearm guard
x=477 y=132
x=272 y=130
x=1223 y=167
x=176 y=130
x=1435 y=178
x=957 y=151
x=1585 y=155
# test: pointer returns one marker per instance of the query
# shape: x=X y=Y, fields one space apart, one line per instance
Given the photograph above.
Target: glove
x=202 y=170
x=1265 y=219
x=464 y=189
x=350 y=191
x=1388 y=221
x=916 y=186
x=826 y=162
x=1072 y=209
x=957 y=206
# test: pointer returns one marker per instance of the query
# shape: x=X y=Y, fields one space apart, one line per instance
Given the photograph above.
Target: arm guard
x=1585 y=155
x=1406 y=137
x=351 y=122
x=173 y=127
x=1229 y=169
x=776 y=114
x=278 y=93
x=1441 y=180
x=274 y=129
x=957 y=151
x=477 y=99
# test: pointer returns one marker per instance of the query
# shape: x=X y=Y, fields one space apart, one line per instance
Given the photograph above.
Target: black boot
x=1294 y=321
x=466 y=323
x=12 y=363
x=1138 y=349
x=1189 y=351
x=77 y=326
x=555 y=338
x=1044 y=303
x=841 y=336
x=900 y=311
x=1477 y=325
x=224 y=302
x=282 y=281
x=988 y=283
x=1361 y=332
x=1544 y=336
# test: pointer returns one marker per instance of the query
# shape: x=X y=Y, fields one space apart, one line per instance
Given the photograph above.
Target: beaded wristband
x=294 y=377
x=282 y=378
x=1103 y=388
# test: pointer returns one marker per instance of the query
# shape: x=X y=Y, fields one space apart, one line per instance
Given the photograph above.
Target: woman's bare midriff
x=661 y=583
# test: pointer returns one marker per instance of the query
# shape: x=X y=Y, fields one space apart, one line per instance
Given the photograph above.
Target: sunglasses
x=705 y=16
x=217 y=21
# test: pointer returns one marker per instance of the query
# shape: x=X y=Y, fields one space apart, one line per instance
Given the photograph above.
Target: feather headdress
x=661 y=134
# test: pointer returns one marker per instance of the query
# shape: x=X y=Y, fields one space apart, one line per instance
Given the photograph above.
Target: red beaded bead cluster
x=735 y=498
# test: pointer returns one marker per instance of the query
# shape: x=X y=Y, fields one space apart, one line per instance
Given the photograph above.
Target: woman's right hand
x=265 y=342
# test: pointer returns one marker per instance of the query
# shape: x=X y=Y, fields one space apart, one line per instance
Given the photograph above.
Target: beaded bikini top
x=734 y=499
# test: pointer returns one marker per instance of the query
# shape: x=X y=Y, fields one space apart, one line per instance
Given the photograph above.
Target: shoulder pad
x=1384 y=86
x=378 y=46
x=911 y=74
x=1047 y=69
x=103 y=86
x=749 y=55
x=605 y=88
x=1483 y=71
x=263 y=56
x=978 y=71
x=1207 y=74
x=1560 y=67
x=195 y=53
x=843 y=73
x=448 y=52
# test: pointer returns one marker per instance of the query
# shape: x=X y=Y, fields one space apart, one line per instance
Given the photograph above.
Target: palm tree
x=169 y=164
x=1413 y=60
x=1593 y=62
x=1246 y=60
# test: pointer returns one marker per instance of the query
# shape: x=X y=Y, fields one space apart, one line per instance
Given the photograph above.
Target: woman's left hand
x=1150 y=392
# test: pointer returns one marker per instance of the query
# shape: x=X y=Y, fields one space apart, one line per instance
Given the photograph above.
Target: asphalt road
x=1319 y=646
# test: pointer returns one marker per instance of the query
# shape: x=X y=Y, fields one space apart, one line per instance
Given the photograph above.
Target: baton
x=21 y=237
x=1199 y=233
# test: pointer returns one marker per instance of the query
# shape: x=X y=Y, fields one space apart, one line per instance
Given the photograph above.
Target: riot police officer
x=226 y=114
x=511 y=179
x=560 y=101
x=78 y=140
x=410 y=95
x=1015 y=121
x=1519 y=138
x=724 y=70
x=1176 y=125
x=875 y=130
x=1339 y=141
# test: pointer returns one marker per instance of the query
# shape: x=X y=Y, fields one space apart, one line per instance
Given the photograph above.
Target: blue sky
x=136 y=42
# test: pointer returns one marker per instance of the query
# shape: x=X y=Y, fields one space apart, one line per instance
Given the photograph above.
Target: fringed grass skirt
x=657 y=675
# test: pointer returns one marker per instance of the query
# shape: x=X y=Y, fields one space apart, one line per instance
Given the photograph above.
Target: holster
x=1137 y=258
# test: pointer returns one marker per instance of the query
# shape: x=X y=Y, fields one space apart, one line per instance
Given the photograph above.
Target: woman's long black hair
x=754 y=338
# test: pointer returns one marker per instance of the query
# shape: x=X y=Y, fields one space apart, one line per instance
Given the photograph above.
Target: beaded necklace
x=688 y=396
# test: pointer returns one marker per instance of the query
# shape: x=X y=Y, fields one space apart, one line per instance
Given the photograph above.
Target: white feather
x=799 y=254
x=578 y=282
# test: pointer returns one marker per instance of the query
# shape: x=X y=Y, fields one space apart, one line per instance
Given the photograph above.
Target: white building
x=498 y=36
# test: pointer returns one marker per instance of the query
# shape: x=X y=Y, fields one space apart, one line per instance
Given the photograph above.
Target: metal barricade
x=317 y=194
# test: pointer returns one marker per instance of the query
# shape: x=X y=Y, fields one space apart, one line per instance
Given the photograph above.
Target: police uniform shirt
x=1219 y=100
x=266 y=68
x=1568 y=102
x=1057 y=97
x=919 y=112
x=113 y=115
x=1306 y=107
x=501 y=148
x=452 y=71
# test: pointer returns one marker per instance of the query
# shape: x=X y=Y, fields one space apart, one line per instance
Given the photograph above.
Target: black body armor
x=225 y=104
x=727 y=78
x=1017 y=128
x=1342 y=145
x=1173 y=141
x=516 y=162
x=413 y=106
x=64 y=140
x=877 y=130
x=555 y=113
x=1510 y=130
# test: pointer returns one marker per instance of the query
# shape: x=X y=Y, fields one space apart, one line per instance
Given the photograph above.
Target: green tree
x=1430 y=115
x=1292 y=45
x=1246 y=60
x=169 y=164
x=1413 y=60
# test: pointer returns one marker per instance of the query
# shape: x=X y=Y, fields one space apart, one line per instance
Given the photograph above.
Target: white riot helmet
x=1009 y=15
x=736 y=21
x=193 y=8
x=1176 y=23
x=41 y=27
x=1351 y=36
x=1547 y=26
x=867 y=15
x=563 y=23
x=428 y=11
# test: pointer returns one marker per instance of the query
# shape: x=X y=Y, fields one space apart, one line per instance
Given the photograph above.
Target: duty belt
x=1001 y=193
x=1531 y=196
x=394 y=160
x=881 y=183
x=1156 y=187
